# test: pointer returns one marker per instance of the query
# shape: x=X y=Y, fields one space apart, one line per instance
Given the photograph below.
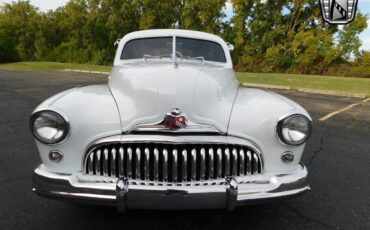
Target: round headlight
x=294 y=130
x=49 y=127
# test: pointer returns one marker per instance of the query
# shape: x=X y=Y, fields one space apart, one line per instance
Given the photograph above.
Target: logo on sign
x=338 y=11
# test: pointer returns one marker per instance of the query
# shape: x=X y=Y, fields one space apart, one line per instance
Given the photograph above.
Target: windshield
x=139 y=48
x=194 y=48
x=186 y=48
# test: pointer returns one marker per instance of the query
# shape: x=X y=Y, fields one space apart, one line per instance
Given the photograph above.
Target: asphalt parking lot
x=337 y=156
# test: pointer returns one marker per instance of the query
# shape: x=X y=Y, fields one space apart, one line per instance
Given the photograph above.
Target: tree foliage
x=279 y=35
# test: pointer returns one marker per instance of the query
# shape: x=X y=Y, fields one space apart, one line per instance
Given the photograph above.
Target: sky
x=363 y=6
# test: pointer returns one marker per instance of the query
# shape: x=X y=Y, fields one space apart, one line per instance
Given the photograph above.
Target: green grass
x=47 y=66
x=343 y=84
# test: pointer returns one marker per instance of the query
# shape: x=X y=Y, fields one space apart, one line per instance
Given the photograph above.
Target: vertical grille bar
x=174 y=165
x=184 y=165
x=241 y=162
x=227 y=162
x=219 y=163
x=138 y=163
x=234 y=162
x=193 y=164
x=120 y=162
x=105 y=162
x=98 y=162
x=249 y=163
x=112 y=162
x=155 y=168
x=210 y=163
x=129 y=162
x=90 y=163
x=164 y=164
x=202 y=164
x=146 y=164
x=255 y=164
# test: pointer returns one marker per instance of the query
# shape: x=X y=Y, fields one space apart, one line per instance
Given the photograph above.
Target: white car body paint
x=146 y=91
x=142 y=92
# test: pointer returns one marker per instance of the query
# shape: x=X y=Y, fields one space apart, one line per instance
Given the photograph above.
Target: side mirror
x=230 y=46
x=116 y=43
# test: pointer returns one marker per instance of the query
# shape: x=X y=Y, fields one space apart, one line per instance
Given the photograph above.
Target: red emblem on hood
x=175 y=120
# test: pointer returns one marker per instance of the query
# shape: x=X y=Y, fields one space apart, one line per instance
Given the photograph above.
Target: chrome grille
x=172 y=162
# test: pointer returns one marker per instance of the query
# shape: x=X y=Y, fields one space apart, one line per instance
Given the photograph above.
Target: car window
x=137 y=48
x=210 y=51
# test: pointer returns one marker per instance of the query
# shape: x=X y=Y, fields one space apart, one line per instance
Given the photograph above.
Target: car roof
x=173 y=32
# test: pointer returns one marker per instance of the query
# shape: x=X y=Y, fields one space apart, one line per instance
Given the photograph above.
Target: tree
x=19 y=21
x=279 y=35
x=349 y=43
x=159 y=14
x=203 y=15
x=8 y=51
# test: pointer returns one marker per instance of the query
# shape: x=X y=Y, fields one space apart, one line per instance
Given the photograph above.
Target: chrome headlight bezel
x=282 y=122
x=62 y=123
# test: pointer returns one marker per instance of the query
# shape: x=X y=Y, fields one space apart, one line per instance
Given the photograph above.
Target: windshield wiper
x=147 y=56
x=200 y=58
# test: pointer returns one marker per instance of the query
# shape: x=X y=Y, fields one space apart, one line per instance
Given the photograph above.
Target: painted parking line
x=326 y=117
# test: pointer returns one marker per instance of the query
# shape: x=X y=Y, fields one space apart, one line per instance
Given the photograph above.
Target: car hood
x=145 y=92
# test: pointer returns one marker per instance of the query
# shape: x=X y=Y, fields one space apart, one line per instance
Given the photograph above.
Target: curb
x=86 y=71
x=266 y=86
x=334 y=93
x=306 y=90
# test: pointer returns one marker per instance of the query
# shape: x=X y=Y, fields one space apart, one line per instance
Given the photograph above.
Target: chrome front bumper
x=125 y=194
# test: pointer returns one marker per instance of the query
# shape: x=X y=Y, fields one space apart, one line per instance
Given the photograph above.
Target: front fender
x=92 y=114
x=254 y=117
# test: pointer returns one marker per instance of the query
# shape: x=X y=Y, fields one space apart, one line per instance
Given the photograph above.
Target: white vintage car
x=171 y=130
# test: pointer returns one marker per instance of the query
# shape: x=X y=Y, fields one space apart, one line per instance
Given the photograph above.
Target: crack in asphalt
x=317 y=151
x=306 y=217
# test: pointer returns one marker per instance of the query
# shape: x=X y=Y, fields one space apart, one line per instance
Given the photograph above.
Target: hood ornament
x=175 y=120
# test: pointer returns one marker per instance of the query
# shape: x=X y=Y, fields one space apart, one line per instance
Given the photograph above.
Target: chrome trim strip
x=159 y=127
